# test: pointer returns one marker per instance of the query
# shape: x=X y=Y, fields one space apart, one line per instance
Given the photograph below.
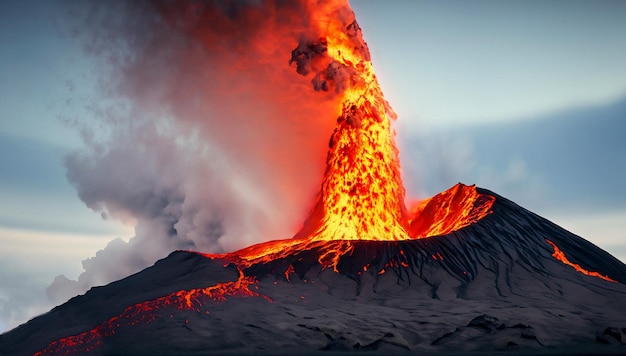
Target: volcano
x=466 y=270
x=511 y=280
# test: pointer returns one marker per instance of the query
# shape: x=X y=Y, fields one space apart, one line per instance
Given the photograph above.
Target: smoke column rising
x=206 y=138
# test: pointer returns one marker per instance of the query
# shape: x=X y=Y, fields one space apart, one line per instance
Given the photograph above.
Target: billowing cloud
x=205 y=136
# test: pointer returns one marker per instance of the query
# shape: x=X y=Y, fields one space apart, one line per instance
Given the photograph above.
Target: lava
x=559 y=255
x=449 y=211
x=362 y=196
x=146 y=312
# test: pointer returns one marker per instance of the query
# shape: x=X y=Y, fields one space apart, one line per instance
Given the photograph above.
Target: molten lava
x=362 y=197
x=149 y=311
x=559 y=255
x=449 y=211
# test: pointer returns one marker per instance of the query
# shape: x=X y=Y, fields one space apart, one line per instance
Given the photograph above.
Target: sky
x=527 y=99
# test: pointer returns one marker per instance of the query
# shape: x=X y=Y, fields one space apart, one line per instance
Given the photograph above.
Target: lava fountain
x=362 y=196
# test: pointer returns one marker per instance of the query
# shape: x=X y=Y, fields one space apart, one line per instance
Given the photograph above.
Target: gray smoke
x=204 y=136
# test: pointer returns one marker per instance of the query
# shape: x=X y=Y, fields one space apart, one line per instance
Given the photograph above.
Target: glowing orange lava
x=362 y=197
x=149 y=311
x=559 y=255
x=449 y=211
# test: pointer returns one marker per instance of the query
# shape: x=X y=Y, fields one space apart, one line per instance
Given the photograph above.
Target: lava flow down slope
x=465 y=270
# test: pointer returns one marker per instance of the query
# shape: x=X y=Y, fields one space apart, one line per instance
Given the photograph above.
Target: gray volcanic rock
x=491 y=286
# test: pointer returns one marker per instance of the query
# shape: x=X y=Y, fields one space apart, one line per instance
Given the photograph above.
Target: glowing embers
x=146 y=312
x=559 y=255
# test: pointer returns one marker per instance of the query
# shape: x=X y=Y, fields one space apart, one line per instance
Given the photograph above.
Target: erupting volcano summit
x=466 y=270
x=362 y=196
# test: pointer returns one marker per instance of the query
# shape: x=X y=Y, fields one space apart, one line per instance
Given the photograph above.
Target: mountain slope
x=491 y=285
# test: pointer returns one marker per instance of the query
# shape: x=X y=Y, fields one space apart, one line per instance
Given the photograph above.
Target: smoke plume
x=205 y=136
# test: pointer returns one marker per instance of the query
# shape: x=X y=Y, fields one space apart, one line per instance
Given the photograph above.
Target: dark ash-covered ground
x=490 y=287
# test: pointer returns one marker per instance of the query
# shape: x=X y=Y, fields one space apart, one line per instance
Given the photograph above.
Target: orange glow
x=559 y=255
x=266 y=119
x=288 y=271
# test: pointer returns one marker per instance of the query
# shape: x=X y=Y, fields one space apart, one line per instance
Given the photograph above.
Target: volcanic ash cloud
x=205 y=137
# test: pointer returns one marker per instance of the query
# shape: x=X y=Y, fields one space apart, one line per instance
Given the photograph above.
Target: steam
x=205 y=137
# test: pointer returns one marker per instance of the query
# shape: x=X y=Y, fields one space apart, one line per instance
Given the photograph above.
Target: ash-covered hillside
x=509 y=281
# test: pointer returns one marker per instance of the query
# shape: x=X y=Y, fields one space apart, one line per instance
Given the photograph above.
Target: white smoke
x=205 y=137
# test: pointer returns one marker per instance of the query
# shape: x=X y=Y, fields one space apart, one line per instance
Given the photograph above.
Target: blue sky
x=457 y=62
x=527 y=99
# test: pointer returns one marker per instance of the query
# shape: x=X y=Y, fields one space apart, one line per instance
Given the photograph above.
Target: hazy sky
x=525 y=98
